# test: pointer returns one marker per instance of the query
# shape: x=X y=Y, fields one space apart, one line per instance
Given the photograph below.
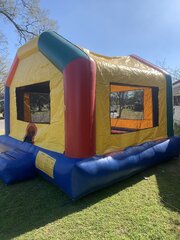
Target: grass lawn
x=136 y=208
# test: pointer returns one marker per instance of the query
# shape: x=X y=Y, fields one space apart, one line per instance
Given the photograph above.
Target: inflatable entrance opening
x=81 y=120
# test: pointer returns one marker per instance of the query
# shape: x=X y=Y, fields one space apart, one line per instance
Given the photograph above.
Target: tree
x=3 y=63
x=174 y=72
x=3 y=53
x=27 y=18
x=118 y=100
x=3 y=69
x=127 y=101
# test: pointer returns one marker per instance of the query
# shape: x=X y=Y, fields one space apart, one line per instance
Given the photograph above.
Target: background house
x=176 y=95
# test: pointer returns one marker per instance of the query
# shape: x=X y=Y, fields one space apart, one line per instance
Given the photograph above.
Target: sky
x=147 y=28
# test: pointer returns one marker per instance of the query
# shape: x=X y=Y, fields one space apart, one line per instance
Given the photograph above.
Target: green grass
x=131 y=114
x=136 y=208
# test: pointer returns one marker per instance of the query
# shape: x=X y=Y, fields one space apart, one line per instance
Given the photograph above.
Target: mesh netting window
x=127 y=104
x=177 y=101
x=133 y=108
x=33 y=103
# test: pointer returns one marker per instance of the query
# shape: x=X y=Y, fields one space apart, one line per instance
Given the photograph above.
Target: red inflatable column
x=79 y=97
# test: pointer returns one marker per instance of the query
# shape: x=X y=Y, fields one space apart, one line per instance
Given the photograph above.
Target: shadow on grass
x=168 y=179
x=33 y=204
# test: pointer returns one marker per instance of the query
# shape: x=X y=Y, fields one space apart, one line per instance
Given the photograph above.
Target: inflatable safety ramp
x=15 y=164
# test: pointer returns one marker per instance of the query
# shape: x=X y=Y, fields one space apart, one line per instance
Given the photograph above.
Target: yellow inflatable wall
x=126 y=71
x=35 y=68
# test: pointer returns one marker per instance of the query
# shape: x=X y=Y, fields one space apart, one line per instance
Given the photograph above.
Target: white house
x=176 y=95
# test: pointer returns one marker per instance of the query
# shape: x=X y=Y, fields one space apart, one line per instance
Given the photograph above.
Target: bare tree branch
x=174 y=72
x=27 y=18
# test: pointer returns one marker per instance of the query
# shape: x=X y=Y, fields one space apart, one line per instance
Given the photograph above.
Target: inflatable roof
x=83 y=120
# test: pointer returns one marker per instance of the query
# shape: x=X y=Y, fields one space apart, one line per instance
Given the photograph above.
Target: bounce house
x=81 y=120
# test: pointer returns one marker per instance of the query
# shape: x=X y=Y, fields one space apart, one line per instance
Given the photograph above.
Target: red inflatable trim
x=31 y=130
x=148 y=64
x=12 y=71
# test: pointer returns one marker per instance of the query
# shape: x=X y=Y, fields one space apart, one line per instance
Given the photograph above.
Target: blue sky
x=148 y=28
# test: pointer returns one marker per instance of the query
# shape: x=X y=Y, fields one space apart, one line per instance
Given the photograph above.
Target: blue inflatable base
x=79 y=177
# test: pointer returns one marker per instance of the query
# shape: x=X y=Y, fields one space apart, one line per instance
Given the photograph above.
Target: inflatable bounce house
x=81 y=120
